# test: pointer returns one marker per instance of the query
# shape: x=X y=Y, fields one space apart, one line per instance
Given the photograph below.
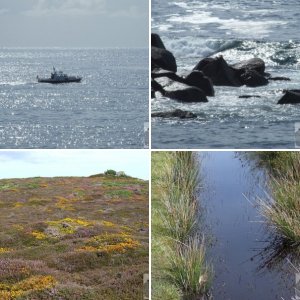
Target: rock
x=152 y=93
x=218 y=71
x=279 y=78
x=162 y=58
x=157 y=87
x=156 y=41
x=177 y=113
x=187 y=94
x=197 y=79
x=255 y=64
x=252 y=78
x=249 y=96
x=168 y=74
x=290 y=97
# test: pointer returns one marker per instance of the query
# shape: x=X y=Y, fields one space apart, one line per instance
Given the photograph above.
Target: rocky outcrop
x=177 y=113
x=187 y=94
x=195 y=78
x=255 y=64
x=252 y=78
x=279 y=78
x=198 y=79
x=290 y=97
x=249 y=96
x=156 y=41
x=181 y=92
x=162 y=58
x=218 y=71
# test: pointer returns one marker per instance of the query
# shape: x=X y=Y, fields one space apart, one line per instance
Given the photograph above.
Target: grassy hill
x=73 y=238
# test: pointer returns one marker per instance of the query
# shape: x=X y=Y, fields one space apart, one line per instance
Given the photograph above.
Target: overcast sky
x=49 y=163
x=74 y=23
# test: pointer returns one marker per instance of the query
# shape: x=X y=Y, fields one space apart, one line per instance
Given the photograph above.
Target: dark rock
x=290 y=97
x=177 y=113
x=279 y=78
x=152 y=93
x=253 y=79
x=255 y=64
x=162 y=58
x=249 y=96
x=156 y=41
x=168 y=74
x=197 y=79
x=157 y=87
x=218 y=71
x=187 y=94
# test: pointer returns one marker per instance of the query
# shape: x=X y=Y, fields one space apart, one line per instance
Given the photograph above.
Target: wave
x=273 y=53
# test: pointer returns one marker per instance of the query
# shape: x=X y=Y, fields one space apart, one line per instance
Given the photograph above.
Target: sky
x=50 y=163
x=74 y=23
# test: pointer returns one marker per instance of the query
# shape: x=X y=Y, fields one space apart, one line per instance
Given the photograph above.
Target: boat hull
x=54 y=81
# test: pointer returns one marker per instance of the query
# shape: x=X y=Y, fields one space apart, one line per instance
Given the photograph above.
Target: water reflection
x=242 y=246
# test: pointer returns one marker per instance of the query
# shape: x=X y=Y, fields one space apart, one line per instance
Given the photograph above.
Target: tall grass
x=283 y=209
x=185 y=263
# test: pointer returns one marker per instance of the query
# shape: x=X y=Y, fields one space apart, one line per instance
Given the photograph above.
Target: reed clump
x=184 y=248
x=283 y=209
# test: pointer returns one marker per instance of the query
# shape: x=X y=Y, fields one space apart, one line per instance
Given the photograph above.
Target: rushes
x=283 y=210
x=185 y=265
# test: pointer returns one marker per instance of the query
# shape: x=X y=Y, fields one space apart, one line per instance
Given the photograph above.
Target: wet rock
x=152 y=93
x=252 y=78
x=177 y=113
x=290 y=97
x=255 y=64
x=156 y=87
x=218 y=71
x=187 y=94
x=279 y=78
x=249 y=96
x=156 y=41
x=198 y=79
x=168 y=74
x=162 y=58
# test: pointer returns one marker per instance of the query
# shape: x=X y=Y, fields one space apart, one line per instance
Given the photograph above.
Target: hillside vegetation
x=73 y=238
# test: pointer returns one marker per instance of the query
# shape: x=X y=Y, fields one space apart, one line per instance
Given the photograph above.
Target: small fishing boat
x=59 y=77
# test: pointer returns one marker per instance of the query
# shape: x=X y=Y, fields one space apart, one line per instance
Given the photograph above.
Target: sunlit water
x=238 y=233
x=238 y=30
x=107 y=109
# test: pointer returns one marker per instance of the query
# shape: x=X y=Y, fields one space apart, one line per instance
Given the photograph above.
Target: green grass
x=283 y=209
x=178 y=252
x=46 y=229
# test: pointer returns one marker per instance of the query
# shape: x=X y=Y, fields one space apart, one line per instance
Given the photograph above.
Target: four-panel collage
x=148 y=150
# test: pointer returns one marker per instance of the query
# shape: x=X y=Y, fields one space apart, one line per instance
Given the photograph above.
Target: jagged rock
x=255 y=64
x=177 y=113
x=218 y=71
x=156 y=41
x=197 y=79
x=252 y=78
x=162 y=58
x=290 y=97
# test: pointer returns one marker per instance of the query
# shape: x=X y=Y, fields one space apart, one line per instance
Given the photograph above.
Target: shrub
x=110 y=172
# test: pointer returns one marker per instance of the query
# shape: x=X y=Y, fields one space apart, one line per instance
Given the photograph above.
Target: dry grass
x=73 y=238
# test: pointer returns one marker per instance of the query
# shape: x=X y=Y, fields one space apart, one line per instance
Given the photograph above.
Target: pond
x=239 y=240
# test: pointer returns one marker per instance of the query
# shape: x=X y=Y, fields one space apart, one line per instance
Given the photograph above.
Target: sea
x=238 y=30
x=108 y=109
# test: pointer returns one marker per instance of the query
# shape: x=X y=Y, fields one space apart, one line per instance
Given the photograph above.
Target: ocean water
x=107 y=109
x=238 y=30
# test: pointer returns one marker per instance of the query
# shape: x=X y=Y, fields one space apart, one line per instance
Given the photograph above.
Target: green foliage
x=110 y=172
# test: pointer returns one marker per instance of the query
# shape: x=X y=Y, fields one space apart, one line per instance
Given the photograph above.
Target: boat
x=59 y=77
